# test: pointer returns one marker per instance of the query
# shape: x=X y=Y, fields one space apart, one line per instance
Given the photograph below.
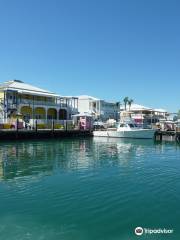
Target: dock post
x=17 y=125
x=52 y=125
x=177 y=137
x=161 y=137
x=155 y=136
x=66 y=124
x=36 y=125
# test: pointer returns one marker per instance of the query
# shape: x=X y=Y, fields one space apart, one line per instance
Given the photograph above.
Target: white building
x=142 y=114
x=98 y=108
x=30 y=102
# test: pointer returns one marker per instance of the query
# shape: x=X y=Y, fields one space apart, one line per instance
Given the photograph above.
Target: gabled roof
x=87 y=97
x=160 y=110
x=21 y=87
x=137 y=107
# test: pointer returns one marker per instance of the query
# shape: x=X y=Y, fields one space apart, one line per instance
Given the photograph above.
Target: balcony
x=40 y=103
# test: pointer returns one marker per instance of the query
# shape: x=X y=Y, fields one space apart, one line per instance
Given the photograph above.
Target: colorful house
x=142 y=114
x=21 y=100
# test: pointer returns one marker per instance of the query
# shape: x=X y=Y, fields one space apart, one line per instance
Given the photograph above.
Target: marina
x=157 y=135
x=89 y=120
x=27 y=111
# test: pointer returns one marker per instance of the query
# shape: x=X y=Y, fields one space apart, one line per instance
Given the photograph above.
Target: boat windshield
x=122 y=125
x=131 y=125
x=125 y=125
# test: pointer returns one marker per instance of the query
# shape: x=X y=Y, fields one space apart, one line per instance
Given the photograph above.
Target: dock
x=167 y=136
x=42 y=134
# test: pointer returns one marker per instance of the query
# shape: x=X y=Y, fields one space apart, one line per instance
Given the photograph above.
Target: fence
x=51 y=124
x=39 y=124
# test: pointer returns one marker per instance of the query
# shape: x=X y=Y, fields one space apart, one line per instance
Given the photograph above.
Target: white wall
x=107 y=109
x=83 y=105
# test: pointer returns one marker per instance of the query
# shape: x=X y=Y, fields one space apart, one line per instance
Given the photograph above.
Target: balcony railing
x=12 y=104
x=31 y=102
x=42 y=103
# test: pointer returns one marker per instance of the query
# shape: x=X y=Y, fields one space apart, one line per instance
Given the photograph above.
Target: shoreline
x=42 y=134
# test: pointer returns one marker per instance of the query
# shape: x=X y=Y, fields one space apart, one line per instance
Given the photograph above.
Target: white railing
x=31 y=102
x=44 y=103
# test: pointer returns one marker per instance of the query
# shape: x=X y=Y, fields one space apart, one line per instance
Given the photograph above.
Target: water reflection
x=31 y=158
x=36 y=158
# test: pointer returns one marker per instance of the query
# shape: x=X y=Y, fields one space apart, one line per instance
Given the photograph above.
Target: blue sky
x=105 y=48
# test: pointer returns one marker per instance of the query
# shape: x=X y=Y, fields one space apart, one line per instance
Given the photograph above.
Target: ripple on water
x=87 y=188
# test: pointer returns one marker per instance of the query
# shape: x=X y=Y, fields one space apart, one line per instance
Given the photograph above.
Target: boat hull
x=138 y=134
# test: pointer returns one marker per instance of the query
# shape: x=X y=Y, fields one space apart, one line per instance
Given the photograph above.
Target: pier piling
x=167 y=136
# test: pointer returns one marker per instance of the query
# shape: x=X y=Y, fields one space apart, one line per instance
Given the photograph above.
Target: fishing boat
x=126 y=130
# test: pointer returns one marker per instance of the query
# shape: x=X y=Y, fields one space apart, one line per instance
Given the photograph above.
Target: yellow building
x=21 y=100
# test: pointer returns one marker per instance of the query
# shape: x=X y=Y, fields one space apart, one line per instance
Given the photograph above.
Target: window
x=94 y=105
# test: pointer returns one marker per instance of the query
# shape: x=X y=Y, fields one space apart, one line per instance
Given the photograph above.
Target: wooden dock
x=167 y=136
x=42 y=134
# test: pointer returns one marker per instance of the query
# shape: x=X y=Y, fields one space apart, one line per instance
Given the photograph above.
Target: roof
x=87 y=97
x=21 y=87
x=160 y=110
x=82 y=115
x=70 y=97
x=137 y=107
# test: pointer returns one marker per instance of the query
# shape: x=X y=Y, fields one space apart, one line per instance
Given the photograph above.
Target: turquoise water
x=88 y=189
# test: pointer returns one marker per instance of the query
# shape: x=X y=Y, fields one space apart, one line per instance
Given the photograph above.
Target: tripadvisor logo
x=139 y=231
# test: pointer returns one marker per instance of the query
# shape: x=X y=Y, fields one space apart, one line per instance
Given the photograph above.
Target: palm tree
x=178 y=114
x=130 y=101
x=126 y=100
x=118 y=104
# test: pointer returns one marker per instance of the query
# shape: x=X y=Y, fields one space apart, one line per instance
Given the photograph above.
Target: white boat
x=126 y=130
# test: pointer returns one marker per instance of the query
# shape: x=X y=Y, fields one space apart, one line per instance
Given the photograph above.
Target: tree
x=175 y=118
x=126 y=99
x=118 y=104
x=130 y=101
x=178 y=114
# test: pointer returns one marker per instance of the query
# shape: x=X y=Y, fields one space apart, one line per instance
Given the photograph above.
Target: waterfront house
x=22 y=100
x=98 y=108
x=142 y=114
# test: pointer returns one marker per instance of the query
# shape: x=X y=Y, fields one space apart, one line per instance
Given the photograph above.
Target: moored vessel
x=126 y=130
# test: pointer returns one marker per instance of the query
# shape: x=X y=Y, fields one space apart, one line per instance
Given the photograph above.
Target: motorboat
x=126 y=130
